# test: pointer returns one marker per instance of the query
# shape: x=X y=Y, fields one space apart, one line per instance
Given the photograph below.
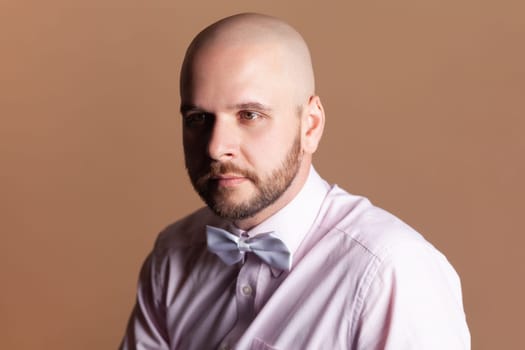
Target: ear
x=313 y=124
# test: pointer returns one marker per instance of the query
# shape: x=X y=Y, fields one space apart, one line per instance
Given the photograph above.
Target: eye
x=197 y=120
x=249 y=115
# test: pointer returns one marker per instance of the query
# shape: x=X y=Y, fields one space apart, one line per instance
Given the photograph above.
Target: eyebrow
x=185 y=108
x=251 y=105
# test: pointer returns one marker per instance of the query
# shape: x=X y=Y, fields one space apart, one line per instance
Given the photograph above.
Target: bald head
x=245 y=34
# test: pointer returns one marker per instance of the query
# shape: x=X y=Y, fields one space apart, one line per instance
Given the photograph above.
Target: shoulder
x=186 y=233
x=403 y=281
x=179 y=247
x=379 y=244
x=357 y=220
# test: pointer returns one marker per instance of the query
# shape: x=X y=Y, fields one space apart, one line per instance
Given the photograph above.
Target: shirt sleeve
x=413 y=302
x=146 y=328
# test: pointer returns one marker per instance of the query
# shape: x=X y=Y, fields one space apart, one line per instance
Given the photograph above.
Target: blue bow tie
x=231 y=248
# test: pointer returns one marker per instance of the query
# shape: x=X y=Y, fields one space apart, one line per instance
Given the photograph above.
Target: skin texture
x=251 y=119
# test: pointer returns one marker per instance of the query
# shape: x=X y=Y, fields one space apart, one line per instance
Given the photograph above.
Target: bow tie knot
x=231 y=248
x=243 y=246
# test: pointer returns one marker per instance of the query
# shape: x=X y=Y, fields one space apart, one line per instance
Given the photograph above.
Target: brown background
x=425 y=106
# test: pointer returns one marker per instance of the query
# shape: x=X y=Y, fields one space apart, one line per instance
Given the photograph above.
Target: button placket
x=245 y=291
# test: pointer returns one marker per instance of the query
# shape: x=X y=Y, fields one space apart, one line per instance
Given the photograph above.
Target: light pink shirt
x=360 y=279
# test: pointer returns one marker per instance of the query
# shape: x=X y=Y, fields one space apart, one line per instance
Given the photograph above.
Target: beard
x=268 y=188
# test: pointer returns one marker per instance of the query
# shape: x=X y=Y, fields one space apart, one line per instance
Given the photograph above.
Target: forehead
x=235 y=73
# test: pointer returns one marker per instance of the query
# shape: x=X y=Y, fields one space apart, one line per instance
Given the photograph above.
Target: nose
x=223 y=142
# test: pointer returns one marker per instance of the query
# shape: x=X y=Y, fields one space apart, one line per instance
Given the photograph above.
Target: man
x=279 y=259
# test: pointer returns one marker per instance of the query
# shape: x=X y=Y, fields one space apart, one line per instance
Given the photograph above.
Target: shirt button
x=246 y=290
x=224 y=346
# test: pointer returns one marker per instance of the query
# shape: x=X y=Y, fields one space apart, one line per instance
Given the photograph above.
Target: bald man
x=278 y=258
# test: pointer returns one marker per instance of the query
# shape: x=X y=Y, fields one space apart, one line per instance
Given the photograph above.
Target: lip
x=228 y=180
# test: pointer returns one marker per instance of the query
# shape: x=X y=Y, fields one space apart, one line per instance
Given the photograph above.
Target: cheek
x=268 y=150
x=187 y=147
x=193 y=153
x=193 y=143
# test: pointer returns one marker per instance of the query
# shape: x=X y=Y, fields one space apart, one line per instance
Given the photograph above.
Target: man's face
x=241 y=130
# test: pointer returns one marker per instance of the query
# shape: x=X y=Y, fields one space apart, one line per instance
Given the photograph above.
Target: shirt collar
x=293 y=222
